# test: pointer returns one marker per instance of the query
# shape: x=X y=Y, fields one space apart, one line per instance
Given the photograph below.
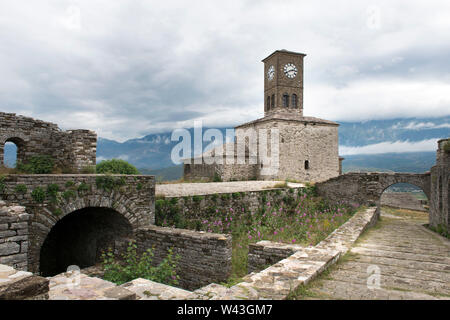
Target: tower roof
x=284 y=51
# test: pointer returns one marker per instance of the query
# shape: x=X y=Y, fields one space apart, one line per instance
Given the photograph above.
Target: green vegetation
x=52 y=191
x=305 y=219
x=442 y=230
x=447 y=146
x=69 y=194
x=132 y=266
x=21 y=188
x=116 y=166
x=109 y=183
x=88 y=170
x=2 y=183
x=38 y=195
x=42 y=164
x=83 y=187
x=69 y=184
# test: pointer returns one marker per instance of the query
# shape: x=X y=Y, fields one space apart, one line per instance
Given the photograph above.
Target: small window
x=268 y=103
x=286 y=100
x=273 y=101
x=294 y=101
x=306 y=164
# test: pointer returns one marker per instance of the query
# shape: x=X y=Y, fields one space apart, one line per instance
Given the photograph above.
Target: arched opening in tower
x=405 y=196
x=80 y=238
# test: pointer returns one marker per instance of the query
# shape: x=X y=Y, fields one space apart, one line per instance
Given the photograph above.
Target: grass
x=306 y=221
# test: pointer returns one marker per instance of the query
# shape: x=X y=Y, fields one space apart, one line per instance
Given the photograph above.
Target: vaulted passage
x=80 y=238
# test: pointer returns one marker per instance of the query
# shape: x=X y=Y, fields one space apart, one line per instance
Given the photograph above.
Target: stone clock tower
x=308 y=148
x=283 y=83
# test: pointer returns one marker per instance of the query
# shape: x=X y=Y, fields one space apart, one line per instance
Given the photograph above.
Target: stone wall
x=204 y=257
x=366 y=188
x=204 y=206
x=14 y=236
x=72 y=150
x=440 y=188
x=130 y=196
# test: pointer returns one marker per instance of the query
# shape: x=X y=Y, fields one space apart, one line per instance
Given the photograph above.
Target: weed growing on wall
x=132 y=266
x=42 y=164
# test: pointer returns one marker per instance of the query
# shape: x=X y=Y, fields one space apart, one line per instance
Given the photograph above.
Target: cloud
x=391 y=147
x=129 y=68
x=414 y=125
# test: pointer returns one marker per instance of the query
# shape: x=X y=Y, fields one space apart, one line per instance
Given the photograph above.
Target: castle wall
x=440 y=188
x=72 y=150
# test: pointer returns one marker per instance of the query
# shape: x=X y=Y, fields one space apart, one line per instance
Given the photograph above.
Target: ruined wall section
x=72 y=150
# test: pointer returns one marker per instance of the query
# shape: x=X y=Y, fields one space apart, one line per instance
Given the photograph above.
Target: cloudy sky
x=128 y=68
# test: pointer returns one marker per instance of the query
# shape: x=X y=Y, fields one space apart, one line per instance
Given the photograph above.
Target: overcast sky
x=129 y=68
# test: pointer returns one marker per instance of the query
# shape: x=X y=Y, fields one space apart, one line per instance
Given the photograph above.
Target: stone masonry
x=14 y=234
x=308 y=146
x=440 y=187
x=133 y=198
x=203 y=257
x=72 y=150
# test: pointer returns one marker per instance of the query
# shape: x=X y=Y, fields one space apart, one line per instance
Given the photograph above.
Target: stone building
x=308 y=146
x=71 y=150
x=440 y=187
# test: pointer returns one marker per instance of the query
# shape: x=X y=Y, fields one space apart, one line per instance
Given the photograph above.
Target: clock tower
x=283 y=83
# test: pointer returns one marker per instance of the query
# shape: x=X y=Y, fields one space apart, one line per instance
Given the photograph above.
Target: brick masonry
x=72 y=150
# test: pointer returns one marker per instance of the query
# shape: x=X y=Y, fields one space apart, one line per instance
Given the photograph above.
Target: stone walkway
x=190 y=189
x=413 y=263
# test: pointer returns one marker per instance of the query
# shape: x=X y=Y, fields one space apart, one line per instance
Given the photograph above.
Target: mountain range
x=392 y=145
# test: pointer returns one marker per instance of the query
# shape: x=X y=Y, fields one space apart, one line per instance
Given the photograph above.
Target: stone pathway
x=190 y=189
x=413 y=263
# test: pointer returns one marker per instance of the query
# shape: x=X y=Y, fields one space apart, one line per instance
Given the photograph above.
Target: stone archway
x=80 y=238
x=406 y=196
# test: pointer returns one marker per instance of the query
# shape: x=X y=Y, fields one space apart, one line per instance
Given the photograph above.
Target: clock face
x=271 y=72
x=290 y=70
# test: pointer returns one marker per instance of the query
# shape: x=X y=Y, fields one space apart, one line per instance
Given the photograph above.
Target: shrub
x=88 y=170
x=37 y=165
x=38 y=195
x=447 y=146
x=83 y=187
x=57 y=212
x=116 y=166
x=52 y=191
x=135 y=266
x=69 y=194
x=21 y=188
x=109 y=183
x=217 y=177
x=70 y=184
